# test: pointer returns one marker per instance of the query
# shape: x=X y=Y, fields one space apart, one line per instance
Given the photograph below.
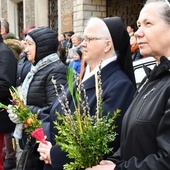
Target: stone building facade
x=65 y=15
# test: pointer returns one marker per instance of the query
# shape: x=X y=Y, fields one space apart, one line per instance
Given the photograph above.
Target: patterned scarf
x=34 y=69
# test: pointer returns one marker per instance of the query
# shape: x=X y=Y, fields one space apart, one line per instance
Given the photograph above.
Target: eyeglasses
x=88 y=39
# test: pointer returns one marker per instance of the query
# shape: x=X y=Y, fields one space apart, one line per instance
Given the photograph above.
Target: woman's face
x=61 y=38
x=93 y=46
x=30 y=49
x=129 y=29
x=76 y=56
x=153 y=34
x=75 y=41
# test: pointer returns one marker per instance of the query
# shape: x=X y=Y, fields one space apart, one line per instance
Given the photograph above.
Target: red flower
x=39 y=135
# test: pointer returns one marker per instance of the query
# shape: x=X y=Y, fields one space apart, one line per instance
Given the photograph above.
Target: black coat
x=145 y=137
x=8 y=68
x=136 y=55
x=41 y=92
x=118 y=92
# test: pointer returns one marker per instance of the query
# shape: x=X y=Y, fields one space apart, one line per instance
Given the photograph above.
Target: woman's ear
x=108 y=46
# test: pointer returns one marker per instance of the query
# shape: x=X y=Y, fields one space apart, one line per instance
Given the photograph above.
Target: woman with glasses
x=37 y=90
x=109 y=47
x=145 y=136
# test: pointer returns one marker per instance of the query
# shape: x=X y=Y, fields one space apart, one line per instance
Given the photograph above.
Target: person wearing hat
x=8 y=68
x=108 y=47
x=41 y=50
x=37 y=89
x=68 y=43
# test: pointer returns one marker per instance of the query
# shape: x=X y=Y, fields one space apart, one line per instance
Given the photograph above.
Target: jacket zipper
x=145 y=96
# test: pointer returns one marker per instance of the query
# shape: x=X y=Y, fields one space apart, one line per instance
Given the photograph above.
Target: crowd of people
x=42 y=55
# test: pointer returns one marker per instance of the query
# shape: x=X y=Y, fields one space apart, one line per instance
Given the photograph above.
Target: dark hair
x=64 y=35
x=79 y=53
x=70 y=33
x=133 y=26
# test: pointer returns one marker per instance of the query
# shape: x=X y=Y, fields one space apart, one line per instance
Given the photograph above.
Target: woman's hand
x=104 y=165
x=12 y=116
x=44 y=150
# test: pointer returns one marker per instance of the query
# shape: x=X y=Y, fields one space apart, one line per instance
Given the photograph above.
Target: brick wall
x=84 y=9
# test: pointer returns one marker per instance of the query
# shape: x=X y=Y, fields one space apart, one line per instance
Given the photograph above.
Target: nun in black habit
x=108 y=46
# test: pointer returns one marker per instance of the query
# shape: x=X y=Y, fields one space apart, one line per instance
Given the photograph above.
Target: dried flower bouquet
x=31 y=124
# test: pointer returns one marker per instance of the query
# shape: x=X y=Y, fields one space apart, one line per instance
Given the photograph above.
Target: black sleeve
x=8 y=66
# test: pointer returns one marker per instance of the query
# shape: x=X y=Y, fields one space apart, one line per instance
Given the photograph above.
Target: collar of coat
x=160 y=70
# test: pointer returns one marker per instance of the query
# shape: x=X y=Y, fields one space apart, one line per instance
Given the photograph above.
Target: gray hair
x=164 y=9
x=77 y=36
x=4 y=24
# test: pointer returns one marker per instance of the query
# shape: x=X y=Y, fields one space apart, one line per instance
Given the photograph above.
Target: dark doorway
x=20 y=19
x=53 y=14
x=128 y=10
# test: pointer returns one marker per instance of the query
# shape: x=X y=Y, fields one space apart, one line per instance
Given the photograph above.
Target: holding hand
x=44 y=150
x=104 y=165
x=12 y=116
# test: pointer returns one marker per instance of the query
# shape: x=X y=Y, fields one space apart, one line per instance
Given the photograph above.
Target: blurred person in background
x=76 y=63
x=62 y=43
x=131 y=29
x=10 y=39
x=135 y=49
x=8 y=69
x=76 y=44
x=16 y=46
